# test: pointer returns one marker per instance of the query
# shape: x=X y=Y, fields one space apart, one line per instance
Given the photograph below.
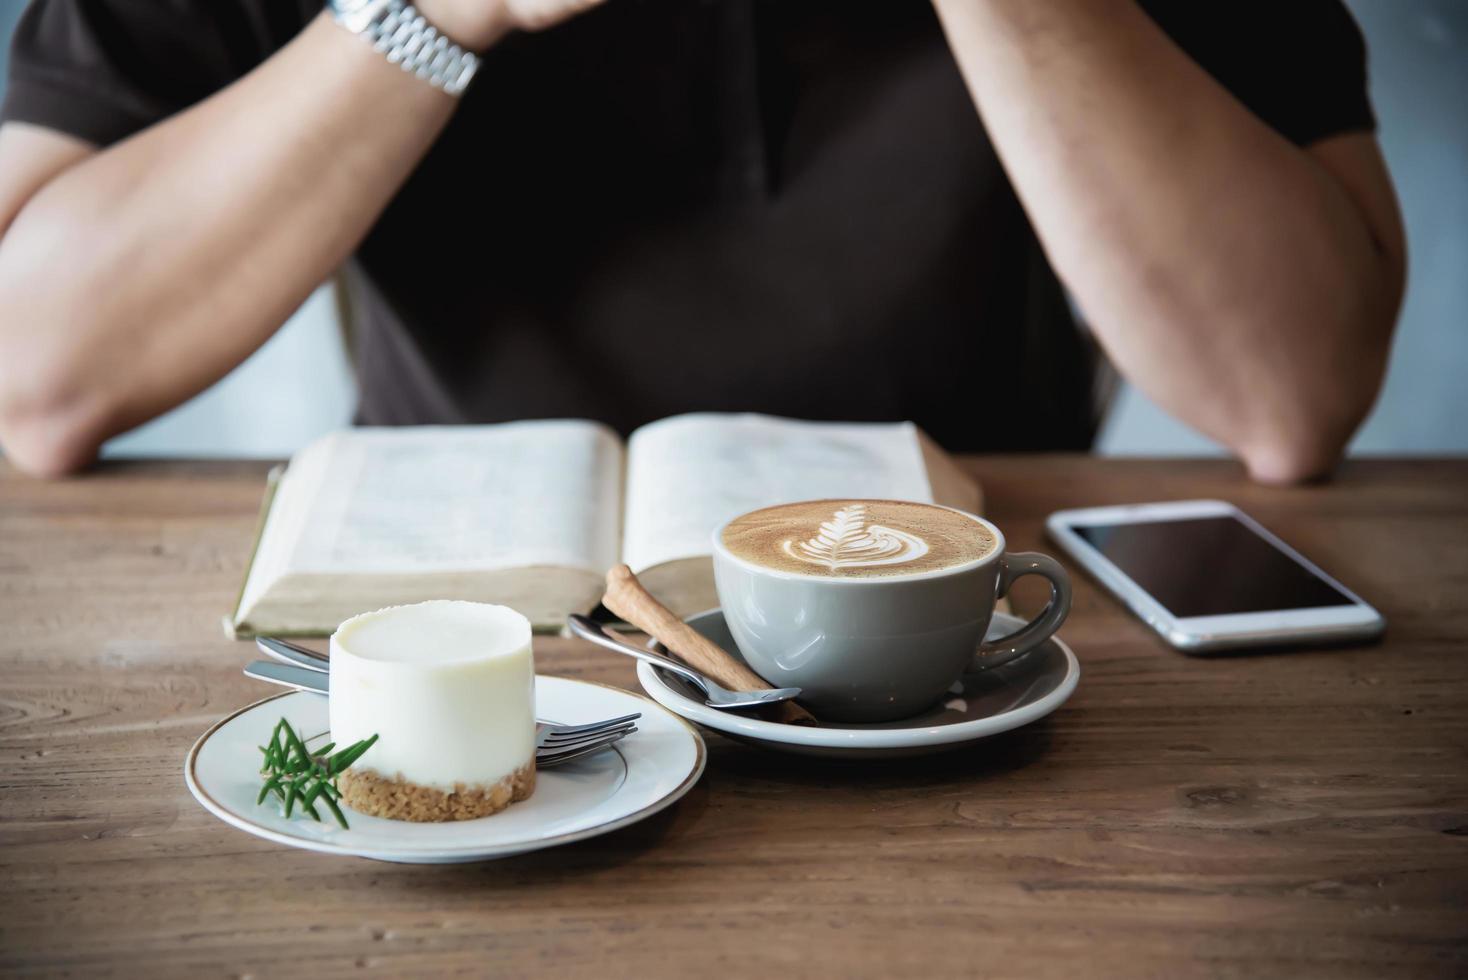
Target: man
x=657 y=206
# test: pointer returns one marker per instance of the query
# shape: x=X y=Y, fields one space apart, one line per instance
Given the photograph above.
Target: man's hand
x=477 y=24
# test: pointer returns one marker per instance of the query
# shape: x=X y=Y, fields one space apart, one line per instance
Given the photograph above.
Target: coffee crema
x=857 y=538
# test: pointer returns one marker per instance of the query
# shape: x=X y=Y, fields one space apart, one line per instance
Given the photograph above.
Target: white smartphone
x=1209 y=577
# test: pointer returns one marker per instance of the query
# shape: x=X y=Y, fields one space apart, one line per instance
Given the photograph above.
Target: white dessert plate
x=640 y=775
x=979 y=705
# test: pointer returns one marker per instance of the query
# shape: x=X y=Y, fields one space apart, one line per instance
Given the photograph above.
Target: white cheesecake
x=449 y=689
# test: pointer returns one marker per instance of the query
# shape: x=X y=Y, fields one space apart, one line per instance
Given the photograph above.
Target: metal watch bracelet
x=404 y=36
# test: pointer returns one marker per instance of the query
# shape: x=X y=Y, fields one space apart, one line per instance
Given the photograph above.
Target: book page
x=455 y=498
x=689 y=474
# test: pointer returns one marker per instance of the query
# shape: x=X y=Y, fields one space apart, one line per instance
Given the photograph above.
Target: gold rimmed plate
x=640 y=775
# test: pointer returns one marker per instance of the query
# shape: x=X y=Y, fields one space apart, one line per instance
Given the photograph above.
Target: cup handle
x=997 y=653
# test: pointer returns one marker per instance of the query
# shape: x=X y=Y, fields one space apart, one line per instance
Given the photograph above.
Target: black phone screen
x=1210 y=566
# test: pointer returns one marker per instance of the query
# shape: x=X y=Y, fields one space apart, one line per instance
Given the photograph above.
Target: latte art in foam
x=846 y=541
x=858 y=538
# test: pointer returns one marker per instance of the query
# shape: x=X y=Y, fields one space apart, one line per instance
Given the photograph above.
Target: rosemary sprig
x=295 y=775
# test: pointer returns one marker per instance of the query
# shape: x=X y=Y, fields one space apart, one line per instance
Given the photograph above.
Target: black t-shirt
x=675 y=205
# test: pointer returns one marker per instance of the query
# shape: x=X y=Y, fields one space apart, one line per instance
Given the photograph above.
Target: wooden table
x=1296 y=814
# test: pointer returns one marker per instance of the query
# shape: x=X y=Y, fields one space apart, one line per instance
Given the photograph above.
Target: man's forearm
x=1226 y=272
x=145 y=272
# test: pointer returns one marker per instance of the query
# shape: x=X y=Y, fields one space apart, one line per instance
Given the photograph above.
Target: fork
x=558 y=744
x=554 y=744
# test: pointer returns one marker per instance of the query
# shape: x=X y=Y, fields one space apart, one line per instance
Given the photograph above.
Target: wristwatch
x=399 y=31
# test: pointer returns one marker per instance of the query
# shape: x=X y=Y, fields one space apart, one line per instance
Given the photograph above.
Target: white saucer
x=981 y=704
x=642 y=774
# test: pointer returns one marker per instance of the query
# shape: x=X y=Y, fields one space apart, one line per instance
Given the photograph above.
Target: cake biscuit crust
x=368 y=791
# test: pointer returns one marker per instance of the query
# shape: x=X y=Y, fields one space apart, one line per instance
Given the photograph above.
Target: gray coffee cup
x=884 y=647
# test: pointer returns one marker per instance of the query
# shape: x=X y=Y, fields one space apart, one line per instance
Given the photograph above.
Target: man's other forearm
x=1224 y=270
x=145 y=272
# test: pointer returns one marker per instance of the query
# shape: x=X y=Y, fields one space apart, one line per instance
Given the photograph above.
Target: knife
x=291 y=653
x=287 y=675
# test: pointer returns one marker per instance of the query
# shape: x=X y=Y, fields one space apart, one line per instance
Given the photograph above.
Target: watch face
x=358 y=15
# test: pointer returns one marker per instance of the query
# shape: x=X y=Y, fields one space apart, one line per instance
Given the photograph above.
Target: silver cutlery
x=559 y=744
x=554 y=744
x=306 y=679
x=292 y=653
x=715 y=696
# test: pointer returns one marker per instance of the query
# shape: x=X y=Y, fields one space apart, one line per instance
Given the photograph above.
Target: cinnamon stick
x=627 y=598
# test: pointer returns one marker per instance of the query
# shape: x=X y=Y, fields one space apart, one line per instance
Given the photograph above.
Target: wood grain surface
x=1294 y=814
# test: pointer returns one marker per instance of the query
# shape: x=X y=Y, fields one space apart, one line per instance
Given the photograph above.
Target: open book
x=532 y=514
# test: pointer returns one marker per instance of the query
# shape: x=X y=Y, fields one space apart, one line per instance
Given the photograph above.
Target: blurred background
x=299 y=385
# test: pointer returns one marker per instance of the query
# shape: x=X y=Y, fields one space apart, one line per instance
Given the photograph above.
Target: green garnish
x=297 y=776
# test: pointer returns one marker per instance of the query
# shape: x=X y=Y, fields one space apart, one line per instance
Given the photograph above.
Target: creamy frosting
x=449 y=688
